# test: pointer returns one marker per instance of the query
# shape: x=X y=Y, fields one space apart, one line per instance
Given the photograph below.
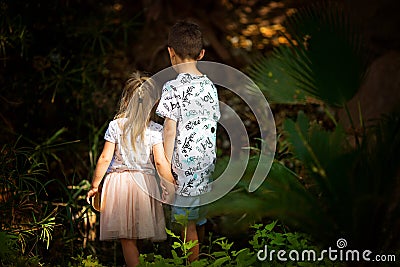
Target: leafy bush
x=348 y=184
x=221 y=252
x=10 y=255
x=26 y=221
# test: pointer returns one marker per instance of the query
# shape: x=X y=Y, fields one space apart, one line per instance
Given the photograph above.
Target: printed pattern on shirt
x=192 y=101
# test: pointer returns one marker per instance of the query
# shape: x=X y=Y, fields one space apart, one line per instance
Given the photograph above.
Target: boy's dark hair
x=186 y=39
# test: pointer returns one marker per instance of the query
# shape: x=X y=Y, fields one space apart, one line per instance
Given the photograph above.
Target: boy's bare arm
x=169 y=137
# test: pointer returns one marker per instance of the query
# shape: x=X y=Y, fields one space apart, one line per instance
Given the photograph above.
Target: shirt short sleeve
x=168 y=106
x=111 y=133
x=156 y=131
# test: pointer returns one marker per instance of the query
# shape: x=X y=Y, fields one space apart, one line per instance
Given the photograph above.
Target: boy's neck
x=187 y=66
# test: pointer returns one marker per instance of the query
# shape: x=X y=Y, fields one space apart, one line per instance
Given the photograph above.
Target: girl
x=129 y=209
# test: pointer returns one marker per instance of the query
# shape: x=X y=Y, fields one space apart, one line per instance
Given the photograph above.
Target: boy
x=190 y=107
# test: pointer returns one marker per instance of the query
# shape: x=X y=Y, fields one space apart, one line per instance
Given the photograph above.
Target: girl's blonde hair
x=136 y=105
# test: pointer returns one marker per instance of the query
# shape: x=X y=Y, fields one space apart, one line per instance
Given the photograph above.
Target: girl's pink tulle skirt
x=129 y=212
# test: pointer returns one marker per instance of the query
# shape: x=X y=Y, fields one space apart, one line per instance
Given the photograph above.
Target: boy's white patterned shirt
x=192 y=101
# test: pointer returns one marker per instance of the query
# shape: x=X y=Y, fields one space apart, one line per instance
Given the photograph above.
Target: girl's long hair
x=136 y=105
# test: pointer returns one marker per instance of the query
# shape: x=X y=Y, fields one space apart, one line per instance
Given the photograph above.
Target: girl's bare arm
x=163 y=166
x=101 y=168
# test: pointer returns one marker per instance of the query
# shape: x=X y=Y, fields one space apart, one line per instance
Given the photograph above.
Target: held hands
x=168 y=191
x=91 y=193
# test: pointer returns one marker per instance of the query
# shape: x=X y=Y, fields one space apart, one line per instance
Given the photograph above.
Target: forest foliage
x=62 y=65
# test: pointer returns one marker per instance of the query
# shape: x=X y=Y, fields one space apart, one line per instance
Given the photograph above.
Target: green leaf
x=219 y=254
x=176 y=245
x=199 y=263
x=235 y=253
x=177 y=259
x=244 y=257
x=170 y=233
x=182 y=219
x=220 y=261
x=272 y=78
x=190 y=244
x=270 y=226
x=319 y=149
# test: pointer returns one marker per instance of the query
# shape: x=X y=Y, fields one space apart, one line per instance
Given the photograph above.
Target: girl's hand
x=91 y=193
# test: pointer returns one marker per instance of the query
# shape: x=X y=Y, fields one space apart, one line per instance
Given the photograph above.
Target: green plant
x=61 y=73
x=183 y=247
x=26 y=220
x=341 y=186
x=82 y=261
x=324 y=59
x=222 y=252
x=24 y=190
x=324 y=63
x=224 y=255
x=180 y=248
x=274 y=239
x=10 y=255
x=14 y=36
x=339 y=192
x=8 y=245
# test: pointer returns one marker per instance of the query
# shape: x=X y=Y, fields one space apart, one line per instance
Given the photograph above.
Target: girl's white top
x=127 y=159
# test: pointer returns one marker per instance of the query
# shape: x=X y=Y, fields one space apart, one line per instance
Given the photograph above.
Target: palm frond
x=282 y=196
x=324 y=60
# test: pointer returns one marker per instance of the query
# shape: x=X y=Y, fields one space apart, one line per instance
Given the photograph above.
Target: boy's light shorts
x=189 y=206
